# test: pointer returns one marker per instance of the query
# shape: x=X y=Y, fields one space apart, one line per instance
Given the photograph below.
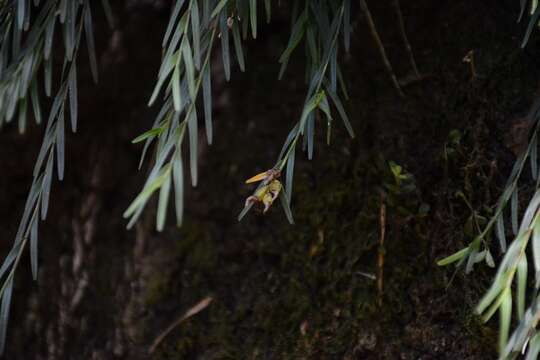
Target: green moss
x=156 y=288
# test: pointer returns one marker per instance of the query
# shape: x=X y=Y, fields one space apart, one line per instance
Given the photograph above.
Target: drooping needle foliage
x=502 y=296
x=198 y=32
x=185 y=69
x=26 y=54
x=197 y=29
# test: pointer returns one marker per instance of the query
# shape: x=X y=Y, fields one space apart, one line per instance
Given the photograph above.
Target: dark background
x=280 y=291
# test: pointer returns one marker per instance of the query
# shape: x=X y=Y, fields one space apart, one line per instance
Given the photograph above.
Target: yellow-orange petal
x=257 y=177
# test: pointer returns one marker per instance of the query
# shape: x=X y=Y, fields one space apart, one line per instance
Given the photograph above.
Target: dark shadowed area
x=278 y=291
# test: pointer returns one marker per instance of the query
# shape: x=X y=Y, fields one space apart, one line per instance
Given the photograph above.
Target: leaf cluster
x=510 y=285
x=26 y=52
x=32 y=31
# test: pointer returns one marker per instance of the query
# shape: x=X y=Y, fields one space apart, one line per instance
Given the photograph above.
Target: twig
x=376 y=37
x=469 y=59
x=200 y=306
x=380 y=258
x=405 y=39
